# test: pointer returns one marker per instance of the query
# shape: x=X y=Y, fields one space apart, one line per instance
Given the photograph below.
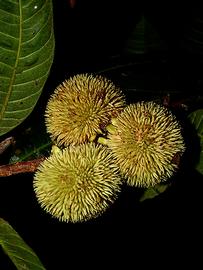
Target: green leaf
x=26 y=55
x=152 y=192
x=196 y=119
x=144 y=38
x=192 y=39
x=18 y=251
x=32 y=143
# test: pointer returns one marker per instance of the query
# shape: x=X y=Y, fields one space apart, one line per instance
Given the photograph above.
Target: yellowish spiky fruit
x=77 y=183
x=146 y=140
x=81 y=107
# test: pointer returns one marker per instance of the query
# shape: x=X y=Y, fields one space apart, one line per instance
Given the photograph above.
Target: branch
x=6 y=143
x=20 y=167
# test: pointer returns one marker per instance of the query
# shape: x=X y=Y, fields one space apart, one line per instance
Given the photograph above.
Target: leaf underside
x=18 y=251
x=26 y=55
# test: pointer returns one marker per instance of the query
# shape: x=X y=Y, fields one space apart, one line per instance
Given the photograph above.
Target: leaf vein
x=42 y=7
x=11 y=14
x=47 y=41
x=9 y=36
x=9 y=244
x=25 y=260
x=16 y=63
x=38 y=65
x=23 y=99
x=38 y=33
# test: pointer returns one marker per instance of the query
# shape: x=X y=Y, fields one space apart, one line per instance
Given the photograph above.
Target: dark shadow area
x=175 y=211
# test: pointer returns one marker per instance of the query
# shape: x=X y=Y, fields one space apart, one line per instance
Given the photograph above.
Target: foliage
x=26 y=54
x=196 y=119
x=19 y=252
x=152 y=192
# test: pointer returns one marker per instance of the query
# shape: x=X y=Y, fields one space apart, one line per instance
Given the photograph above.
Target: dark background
x=92 y=37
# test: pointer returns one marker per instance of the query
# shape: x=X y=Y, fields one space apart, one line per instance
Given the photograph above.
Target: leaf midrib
x=6 y=100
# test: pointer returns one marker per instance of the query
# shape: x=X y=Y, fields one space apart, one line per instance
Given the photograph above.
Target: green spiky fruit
x=81 y=107
x=77 y=183
x=146 y=140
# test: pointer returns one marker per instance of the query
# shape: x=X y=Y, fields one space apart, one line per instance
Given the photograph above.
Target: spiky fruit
x=77 y=183
x=145 y=140
x=81 y=107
